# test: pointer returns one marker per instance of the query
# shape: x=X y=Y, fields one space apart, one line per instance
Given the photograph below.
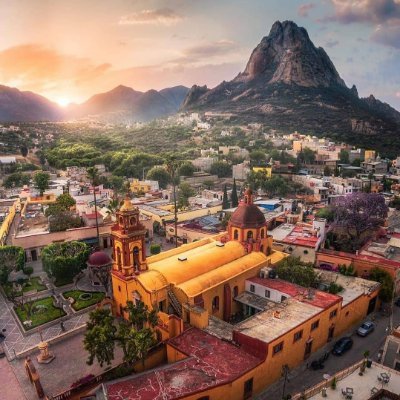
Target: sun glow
x=63 y=101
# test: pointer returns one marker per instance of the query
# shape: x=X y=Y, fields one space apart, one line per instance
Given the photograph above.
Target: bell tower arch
x=128 y=236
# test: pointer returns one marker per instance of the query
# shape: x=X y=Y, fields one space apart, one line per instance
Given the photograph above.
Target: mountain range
x=289 y=84
x=119 y=104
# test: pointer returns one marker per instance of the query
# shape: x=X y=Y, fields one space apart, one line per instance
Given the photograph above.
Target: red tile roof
x=211 y=362
x=319 y=299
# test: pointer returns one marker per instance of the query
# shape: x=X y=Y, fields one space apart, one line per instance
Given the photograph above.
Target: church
x=197 y=280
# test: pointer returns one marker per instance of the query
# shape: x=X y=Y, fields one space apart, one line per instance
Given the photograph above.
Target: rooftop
x=267 y=326
x=353 y=287
x=318 y=299
x=210 y=362
x=299 y=234
x=363 y=386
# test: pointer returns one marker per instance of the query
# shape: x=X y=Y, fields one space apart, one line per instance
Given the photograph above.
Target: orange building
x=197 y=280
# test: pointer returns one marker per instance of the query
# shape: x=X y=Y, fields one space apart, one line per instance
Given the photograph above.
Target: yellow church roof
x=152 y=280
x=199 y=284
x=186 y=265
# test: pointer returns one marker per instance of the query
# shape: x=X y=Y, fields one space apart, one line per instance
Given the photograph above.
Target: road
x=302 y=378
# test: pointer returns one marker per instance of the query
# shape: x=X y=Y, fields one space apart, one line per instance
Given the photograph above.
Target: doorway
x=331 y=332
x=308 y=348
x=34 y=255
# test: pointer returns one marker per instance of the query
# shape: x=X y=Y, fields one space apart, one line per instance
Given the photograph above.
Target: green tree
x=326 y=213
x=161 y=175
x=186 y=169
x=208 y=184
x=293 y=270
x=24 y=151
x=221 y=168
x=41 y=181
x=65 y=260
x=387 y=284
x=66 y=201
x=185 y=191
x=258 y=157
x=344 y=157
x=356 y=163
x=225 y=201
x=116 y=183
x=327 y=171
x=28 y=271
x=234 y=195
x=135 y=335
x=306 y=156
x=93 y=175
x=12 y=258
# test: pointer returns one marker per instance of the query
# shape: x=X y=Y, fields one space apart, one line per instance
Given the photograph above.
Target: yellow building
x=369 y=155
x=267 y=171
x=196 y=280
x=137 y=186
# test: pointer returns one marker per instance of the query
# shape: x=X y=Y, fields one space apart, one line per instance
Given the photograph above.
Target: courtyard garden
x=28 y=285
x=38 y=312
x=83 y=299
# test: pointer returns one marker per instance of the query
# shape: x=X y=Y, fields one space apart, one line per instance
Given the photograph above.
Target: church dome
x=99 y=259
x=247 y=215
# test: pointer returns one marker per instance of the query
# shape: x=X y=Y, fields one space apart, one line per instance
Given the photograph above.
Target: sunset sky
x=68 y=50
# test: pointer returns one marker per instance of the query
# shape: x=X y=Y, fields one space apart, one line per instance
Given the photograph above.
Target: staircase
x=176 y=305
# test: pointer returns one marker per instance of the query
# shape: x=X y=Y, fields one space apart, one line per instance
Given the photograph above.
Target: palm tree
x=172 y=168
x=93 y=175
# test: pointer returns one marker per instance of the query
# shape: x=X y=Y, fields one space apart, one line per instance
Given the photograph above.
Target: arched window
x=235 y=291
x=121 y=221
x=262 y=249
x=132 y=221
x=215 y=303
x=250 y=235
x=136 y=260
x=262 y=233
x=236 y=234
x=119 y=257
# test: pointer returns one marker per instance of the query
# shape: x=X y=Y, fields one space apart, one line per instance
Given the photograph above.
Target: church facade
x=194 y=281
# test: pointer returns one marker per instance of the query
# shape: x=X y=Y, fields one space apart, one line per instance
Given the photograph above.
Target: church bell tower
x=129 y=252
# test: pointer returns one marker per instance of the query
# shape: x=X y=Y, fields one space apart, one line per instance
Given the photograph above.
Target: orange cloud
x=163 y=16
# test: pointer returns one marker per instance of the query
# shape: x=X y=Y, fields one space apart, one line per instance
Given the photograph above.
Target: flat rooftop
x=299 y=234
x=353 y=287
x=363 y=386
x=318 y=298
x=211 y=362
x=266 y=326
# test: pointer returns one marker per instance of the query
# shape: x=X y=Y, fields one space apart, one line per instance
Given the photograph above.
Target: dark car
x=342 y=345
x=365 y=329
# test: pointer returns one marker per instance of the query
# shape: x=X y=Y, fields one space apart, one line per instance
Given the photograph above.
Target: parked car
x=365 y=329
x=342 y=345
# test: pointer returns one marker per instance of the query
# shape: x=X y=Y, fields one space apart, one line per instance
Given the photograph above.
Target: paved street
x=10 y=389
x=301 y=378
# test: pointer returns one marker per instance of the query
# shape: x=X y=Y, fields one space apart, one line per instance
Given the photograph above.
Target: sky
x=68 y=50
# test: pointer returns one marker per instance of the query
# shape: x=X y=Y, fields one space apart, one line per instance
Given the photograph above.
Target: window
x=347 y=313
x=283 y=298
x=236 y=235
x=267 y=294
x=297 y=336
x=215 y=303
x=235 y=291
x=252 y=288
x=250 y=235
x=204 y=398
x=248 y=389
x=333 y=314
x=315 y=325
x=262 y=233
x=277 y=348
x=119 y=288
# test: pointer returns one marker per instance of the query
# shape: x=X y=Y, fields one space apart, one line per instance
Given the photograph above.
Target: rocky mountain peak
x=287 y=55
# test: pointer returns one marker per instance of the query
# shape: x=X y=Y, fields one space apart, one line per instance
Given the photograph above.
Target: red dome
x=248 y=216
x=99 y=258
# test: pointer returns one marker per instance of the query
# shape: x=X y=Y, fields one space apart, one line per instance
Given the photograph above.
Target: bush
x=28 y=271
x=119 y=372
x=155 y=248
x=334 y=288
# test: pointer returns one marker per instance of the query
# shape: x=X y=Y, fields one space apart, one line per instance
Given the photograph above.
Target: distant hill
x=16 y=105
x=126 y=104
x=289 y=84
x=121 y=104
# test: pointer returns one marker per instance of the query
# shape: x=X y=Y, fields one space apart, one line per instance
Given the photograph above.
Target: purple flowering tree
x=358 y=214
